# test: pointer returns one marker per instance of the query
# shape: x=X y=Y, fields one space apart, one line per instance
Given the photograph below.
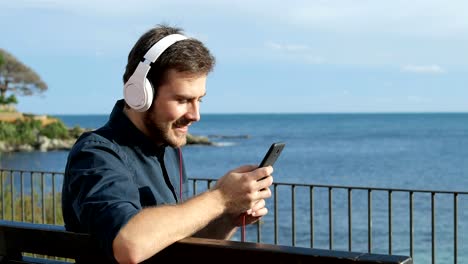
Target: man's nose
x=193 y=113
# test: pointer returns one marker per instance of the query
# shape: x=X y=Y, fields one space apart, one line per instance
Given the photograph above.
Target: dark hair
x=189 y=55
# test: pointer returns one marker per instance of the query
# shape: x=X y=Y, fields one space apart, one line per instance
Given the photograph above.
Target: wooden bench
x=17 y=238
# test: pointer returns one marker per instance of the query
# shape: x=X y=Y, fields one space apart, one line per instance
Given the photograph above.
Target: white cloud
x=416 y=17
x=427 y=17
x=413 y=18
x=296 y=52
x=344 y=32
x=429 y=69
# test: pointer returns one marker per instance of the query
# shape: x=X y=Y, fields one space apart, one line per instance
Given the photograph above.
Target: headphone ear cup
x=139 y=96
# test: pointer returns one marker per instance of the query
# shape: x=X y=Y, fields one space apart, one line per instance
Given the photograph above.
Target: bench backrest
x=17 y=238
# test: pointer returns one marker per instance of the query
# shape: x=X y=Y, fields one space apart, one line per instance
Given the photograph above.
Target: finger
x=264 y=183
x=261 y=173
x=264 y=193
x=245 y=168
x=259 y=205
x=259 y=213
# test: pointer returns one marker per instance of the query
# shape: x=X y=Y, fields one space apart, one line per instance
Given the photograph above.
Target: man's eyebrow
x=189 y=96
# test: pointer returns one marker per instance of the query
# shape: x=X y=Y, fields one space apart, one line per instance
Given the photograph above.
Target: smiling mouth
x=182 y=127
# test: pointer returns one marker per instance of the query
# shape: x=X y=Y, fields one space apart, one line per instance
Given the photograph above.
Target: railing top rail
x=332 y=186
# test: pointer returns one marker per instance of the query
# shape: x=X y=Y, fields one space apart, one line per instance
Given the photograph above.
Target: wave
x=224 y=144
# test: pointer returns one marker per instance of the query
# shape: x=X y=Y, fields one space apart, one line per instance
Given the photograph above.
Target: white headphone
x=138 y=91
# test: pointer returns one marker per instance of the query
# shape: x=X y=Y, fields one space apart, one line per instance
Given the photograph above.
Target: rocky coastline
x=45 y=144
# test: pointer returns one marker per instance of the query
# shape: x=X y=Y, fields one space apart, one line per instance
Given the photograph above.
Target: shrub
x=55 y=130
x=76 y=131
x=7 y=131
x=27 y=131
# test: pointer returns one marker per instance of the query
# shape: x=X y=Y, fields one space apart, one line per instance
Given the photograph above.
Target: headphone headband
x=138 y=92
x=159 y=47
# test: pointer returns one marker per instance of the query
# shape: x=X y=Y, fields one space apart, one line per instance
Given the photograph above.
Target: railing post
x=12 y=193
x=276 y=214
x=350 y=220
x=43 y=198
x=2 y=193
x=433 y=249
x=53 y=199
x=330 y=218
x=293 y=214
x=22 y=196
x=369 y=221
x=455 y=227
x=390 y=222
x=311 y=216
x=32 y=198
x=411 y=224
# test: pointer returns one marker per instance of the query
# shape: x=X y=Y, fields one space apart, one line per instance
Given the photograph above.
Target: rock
x=8 y=147
x=5 y=147
x=46 y=144
x=229 y=137
x=43 y=143
x=24 y=148
x=201 y=140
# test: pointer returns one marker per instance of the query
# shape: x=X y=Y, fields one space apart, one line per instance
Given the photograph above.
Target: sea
x=420 y=151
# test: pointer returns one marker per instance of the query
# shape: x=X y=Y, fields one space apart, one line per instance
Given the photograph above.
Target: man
x=125 y=183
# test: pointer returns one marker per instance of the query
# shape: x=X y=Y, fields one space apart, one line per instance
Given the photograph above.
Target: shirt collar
x=124 y=127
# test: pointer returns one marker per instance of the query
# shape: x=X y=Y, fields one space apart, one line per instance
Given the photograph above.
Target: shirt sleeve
x=104 y=196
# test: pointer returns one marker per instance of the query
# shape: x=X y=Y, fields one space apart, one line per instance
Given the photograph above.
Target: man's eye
x=200 y=100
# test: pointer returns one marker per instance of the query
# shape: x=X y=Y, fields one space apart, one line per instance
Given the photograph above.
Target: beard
x=163 y=132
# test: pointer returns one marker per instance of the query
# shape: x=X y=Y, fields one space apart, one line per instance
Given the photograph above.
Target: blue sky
x=272 y=56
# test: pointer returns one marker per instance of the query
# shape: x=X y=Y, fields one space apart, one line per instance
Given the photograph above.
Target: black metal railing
x=424 y=224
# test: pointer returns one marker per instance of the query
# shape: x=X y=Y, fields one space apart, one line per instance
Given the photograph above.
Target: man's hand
x=245 y=189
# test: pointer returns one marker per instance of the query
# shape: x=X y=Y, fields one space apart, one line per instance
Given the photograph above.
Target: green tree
x=17 y=78
x=9 y=100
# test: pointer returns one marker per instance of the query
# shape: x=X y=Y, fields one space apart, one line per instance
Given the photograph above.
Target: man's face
x=176 y=107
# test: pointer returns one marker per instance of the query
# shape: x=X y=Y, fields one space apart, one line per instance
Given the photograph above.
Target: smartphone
x=272 y=155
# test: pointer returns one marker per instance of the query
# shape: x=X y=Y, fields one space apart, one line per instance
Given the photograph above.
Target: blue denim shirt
x=114 y=172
